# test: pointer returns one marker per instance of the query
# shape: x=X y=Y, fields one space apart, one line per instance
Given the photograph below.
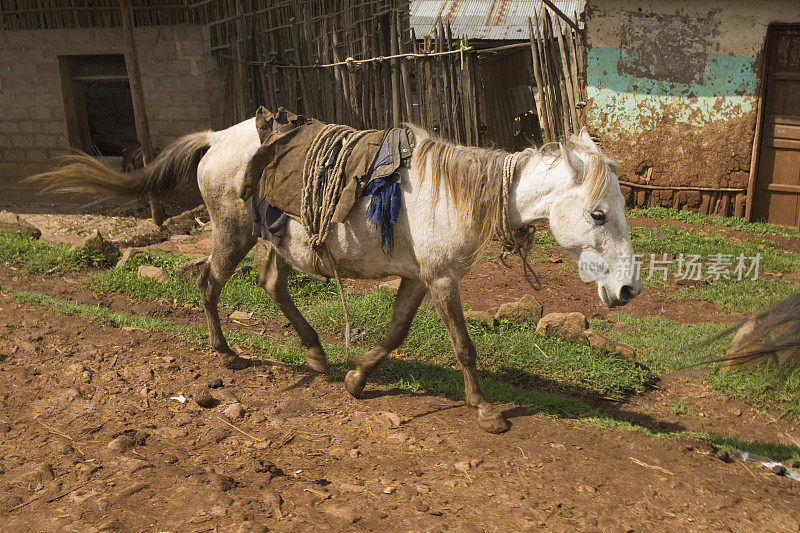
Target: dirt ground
x=94 y=435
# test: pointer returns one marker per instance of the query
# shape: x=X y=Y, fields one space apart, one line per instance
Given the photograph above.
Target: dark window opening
x=98 y=103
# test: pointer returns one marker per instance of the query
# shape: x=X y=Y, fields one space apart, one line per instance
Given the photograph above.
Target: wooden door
x=777 y=194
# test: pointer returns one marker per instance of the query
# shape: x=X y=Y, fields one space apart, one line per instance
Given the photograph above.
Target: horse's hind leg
x=409 y=296
x=230 y=247
x=273 y=276
x=445 y=296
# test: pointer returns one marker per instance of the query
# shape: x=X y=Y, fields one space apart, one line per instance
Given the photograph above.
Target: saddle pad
x=275 y=173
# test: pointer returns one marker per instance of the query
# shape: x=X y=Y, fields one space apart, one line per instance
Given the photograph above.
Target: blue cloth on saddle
x=385 y=191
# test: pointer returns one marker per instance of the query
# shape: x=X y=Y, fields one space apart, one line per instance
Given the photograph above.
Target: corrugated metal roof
x=483 y=19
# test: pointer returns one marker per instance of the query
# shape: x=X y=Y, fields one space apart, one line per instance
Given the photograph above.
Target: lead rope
x=520 y=241
x=320 y=197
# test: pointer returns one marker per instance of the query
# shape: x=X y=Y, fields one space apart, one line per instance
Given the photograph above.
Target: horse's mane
x=473 y=176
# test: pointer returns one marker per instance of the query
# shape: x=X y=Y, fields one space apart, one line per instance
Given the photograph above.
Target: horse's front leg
x=406 y=303
x=445 y=296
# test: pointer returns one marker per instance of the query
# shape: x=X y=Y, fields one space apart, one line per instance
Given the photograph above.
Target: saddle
x=274 y=179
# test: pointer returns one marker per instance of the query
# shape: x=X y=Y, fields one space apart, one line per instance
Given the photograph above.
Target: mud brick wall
x=673 y=93
x=181 y=82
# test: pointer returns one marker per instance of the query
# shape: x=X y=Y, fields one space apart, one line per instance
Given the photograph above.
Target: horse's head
x=586 y=213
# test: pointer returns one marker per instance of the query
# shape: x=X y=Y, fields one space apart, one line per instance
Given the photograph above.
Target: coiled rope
x=520 y=241
x=322 y=188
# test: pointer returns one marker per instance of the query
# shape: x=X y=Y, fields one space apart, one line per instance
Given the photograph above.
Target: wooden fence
x=351 y=63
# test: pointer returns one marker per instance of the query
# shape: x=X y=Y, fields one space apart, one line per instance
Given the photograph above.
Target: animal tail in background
x=772 y=335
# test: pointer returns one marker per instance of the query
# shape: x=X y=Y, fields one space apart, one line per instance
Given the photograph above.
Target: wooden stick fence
x=557 y=53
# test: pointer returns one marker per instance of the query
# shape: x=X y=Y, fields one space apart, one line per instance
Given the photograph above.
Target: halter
x=520 y=241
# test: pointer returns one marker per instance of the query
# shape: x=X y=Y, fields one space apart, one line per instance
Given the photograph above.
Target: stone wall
x=180 y=79
x=673 y=93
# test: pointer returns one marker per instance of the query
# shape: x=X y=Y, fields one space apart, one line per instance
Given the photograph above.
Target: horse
x=451 y=197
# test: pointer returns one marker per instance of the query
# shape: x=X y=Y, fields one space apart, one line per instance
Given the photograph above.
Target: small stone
x=480 y=316
x=525 y=310
x=354 y=453
x=337 y=452
x=216 y=384
x=569 y=326
x=390 y=285
x=221 y=482
x=203 y=398
x=98 y=244
x=170 y=459
x=345 y=514
x=122 y=443
x=724 y=456
x=601 y=342
x=737 y=412
x=13 y=223
x=152 y=272
x=234 y=411
x=219 y=434
x=421 y=506
x=127 y=255
x=240 y=315
x=391 y=489
x=191 y=270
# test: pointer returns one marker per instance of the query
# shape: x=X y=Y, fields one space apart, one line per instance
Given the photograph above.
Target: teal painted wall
x=726 y=87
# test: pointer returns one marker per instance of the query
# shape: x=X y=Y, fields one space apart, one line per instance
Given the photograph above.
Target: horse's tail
x=174 y=167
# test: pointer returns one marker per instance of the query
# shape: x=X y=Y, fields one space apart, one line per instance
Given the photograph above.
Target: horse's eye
x=598 y=216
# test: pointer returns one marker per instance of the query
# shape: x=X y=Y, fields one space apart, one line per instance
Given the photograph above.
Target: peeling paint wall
x=673 y=92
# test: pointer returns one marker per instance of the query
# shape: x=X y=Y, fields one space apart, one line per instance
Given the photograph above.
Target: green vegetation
x=515 y=352
x=745 y=296
x=673 y=241
x=36 y=257
x=754 y=228
x=680 y=408
x=665 y=346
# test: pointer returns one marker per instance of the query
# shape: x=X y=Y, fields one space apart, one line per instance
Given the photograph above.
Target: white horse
x=450 y=200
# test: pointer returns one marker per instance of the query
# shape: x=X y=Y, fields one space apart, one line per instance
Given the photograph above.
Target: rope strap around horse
x=322 y=189
x=520 y=241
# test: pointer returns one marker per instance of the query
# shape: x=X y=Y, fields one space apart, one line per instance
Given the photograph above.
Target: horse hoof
x=234 y=362
x=354 y=383
x=494 y=425
x=316 y=360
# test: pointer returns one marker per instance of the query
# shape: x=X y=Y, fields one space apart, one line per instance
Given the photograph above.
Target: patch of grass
x=508 y=349
x=664 y=346
x=38 y=257
x=680 y=408
x=764 y=387
x=754 y=228
x=745 y=296
x=514 y=351
x=673 y=241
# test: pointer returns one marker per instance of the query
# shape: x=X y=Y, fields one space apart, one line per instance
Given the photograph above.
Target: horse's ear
x=587 y=140
x=574 y=162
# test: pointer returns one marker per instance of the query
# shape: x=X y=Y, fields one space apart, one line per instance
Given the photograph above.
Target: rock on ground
x=96 y=243
x=191 y=270
x=152 y=272
x=601 y=342
x=13 y=223
x=569 y=326
x=526 y=309
x=480 y=316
